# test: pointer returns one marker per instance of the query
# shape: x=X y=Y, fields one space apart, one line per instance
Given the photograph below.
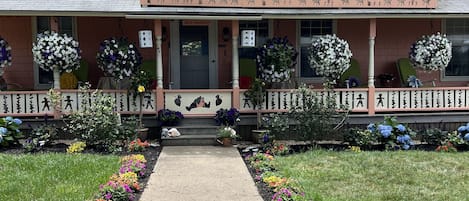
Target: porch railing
x=207 y=102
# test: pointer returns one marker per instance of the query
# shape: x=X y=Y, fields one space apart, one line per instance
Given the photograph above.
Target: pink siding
x=93 y=30
x=393 y=40
x=18 y=32
x=224 y=56
x=284 y=28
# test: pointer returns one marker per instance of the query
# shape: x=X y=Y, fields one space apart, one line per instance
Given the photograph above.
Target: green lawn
x=54 y=176
x=374 y=176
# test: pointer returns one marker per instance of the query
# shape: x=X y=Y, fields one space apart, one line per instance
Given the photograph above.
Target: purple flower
x=108 y=196
x=127 y=188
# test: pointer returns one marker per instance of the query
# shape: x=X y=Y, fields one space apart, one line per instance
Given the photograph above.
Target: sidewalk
x=185 y=173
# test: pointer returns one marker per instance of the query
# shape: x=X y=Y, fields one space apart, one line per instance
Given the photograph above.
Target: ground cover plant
x=54 y=176
x=398 y=175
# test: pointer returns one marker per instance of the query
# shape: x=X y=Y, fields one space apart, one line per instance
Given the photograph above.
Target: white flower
x=330 y=57
x=431 y=53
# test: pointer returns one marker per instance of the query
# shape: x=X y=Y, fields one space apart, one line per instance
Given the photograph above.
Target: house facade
x=202 y=53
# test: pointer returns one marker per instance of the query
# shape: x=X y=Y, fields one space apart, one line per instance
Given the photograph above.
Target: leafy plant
x=9 y=131
x=360 y=137
x=226 y=132
x=316 y=114
x=169 y=117
x=76 y=147
x=227 y=117
x=40 y=137
x=277 y=124
x=98 y=124
x=137 y=145
x=434 y=136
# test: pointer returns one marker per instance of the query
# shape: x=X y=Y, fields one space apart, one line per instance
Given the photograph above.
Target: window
x=44 y=79
x=308 y=30
x=457 y=31
x=262 y=34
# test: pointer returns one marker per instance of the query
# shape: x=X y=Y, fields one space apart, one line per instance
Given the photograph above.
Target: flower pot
x=142 y=133
x=227 y=142
x=258 y=136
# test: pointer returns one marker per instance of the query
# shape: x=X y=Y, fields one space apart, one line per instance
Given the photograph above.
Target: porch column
x=54 y=26
x=371 y=68
x=235 y=63
x=159 y=66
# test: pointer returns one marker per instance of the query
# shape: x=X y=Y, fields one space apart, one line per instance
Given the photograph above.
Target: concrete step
x=190 y=140
x=196 y=129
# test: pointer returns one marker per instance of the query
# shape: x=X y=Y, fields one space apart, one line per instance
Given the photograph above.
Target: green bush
x=435 y=136
x=9 y=131
x=98 y=124
x=317 y=114
x=360 y=137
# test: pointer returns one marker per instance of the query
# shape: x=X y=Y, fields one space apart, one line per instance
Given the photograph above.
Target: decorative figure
x=380 y=100
x=45 y=103
x=147 y=97
x=198 y=102
x=177 y=101
x=68 y=101
x=360 y=100
x=218 y=101
x=164 y=132
x=173 y=132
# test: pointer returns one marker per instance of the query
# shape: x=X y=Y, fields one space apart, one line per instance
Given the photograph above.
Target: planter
x=227 y=142
x=258 y=136
x=142 y=133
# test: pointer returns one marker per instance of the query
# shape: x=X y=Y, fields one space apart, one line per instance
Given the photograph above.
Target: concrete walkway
x=185 y=173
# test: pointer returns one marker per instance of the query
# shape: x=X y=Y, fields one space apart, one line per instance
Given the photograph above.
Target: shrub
x=9 y=131
x=360 y=137
x=393 y=134
x=434 y=136
x=316 y=114
x=277 y=124
x=98 y=124
x=40 y=137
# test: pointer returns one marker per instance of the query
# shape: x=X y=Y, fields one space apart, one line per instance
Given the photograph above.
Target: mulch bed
x=151 y=155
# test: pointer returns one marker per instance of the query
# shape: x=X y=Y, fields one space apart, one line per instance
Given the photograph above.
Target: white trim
x=298 y=59
x=443 y=77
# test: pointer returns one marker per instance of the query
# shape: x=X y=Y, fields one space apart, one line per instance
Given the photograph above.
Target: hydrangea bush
x=276 y=60
x=118 y=58
x=56 y=51
x=431 y=53
x=463 y=132
x=330 y=57
x=393 y=134
x=9 y=131
x=5 y=55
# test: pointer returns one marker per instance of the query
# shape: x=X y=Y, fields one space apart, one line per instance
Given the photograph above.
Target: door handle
x=213 y=61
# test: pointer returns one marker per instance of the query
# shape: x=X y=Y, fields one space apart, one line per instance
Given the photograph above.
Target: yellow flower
x=140 y=88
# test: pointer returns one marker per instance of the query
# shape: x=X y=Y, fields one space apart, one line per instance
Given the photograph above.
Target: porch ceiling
x=113 y=8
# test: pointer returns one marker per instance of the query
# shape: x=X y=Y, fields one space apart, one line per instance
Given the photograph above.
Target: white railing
x=281 y=100
x=207 y=102
x=422 y=99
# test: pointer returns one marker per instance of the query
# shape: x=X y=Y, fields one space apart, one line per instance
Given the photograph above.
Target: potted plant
x=276 y=60
x=140 y=84
x=56 y=52
x=226 y=135
x=5 y=61
x=227 y=117
x=169 y=117
x=330 y=57
x=119 y=59
x=431 y=53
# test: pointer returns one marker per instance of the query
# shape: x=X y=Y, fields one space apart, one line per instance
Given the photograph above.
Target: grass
x=412 y=175
x=54 y=176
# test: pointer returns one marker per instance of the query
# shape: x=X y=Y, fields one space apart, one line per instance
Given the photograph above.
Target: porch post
x=371 y=68
x=54 y=26
x=235 y=63
x=159 y=66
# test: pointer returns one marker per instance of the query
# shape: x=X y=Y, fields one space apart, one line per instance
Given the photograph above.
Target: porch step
x=192 y=134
